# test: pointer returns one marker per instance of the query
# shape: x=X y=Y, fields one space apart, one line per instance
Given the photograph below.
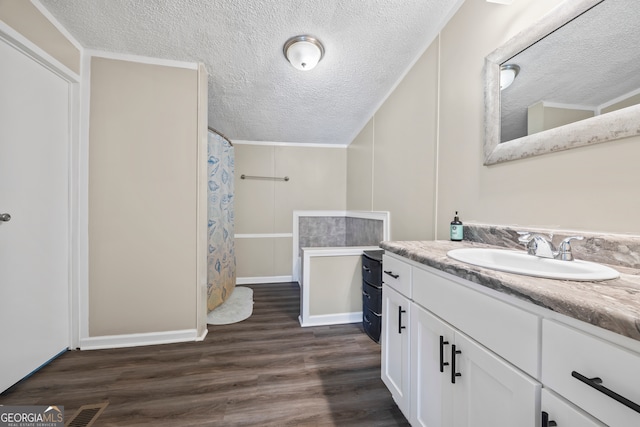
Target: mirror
x=571 y=88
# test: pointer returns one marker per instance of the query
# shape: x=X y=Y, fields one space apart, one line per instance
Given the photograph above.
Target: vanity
x=466 y=345
x=470 y=346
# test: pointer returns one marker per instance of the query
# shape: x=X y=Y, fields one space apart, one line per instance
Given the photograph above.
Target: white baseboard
x=203 y=336
x=330 y=319
x=136 y=340
x=263 y=279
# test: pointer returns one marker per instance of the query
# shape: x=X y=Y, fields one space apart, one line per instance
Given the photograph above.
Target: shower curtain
x=221 y=260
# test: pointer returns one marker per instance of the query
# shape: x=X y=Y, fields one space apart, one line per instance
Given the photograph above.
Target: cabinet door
x=489 y=391
x=564 y=414
x=395 y=346
x=431 y=389
x=506 y=330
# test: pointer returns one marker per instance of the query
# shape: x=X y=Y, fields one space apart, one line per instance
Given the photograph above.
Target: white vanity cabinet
x=458 y=382
x=394 y=342
x=490 y=391
x=456 y=353
x=599 y=377
x=507 y=330
x=431 y=388
x=442 y=377
x=394 y=338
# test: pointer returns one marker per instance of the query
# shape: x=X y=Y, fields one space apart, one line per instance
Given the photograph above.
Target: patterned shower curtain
x=221 y=262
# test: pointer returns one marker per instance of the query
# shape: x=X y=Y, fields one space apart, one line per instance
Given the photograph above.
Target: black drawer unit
x=372 y=324
x=372 y=297
x=372 y=293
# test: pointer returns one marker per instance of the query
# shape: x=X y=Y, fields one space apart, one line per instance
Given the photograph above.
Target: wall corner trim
x=35 y=52
x=141 y=59
x=54 y=21
x=289 y=144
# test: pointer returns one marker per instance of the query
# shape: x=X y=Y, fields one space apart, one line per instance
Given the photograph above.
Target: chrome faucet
x=564 y=250
x=537 y=244
x=542 y=246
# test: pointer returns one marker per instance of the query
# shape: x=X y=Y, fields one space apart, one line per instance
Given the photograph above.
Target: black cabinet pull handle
x=597 y=384
x=546 y=422
x=442 y=362
x=454 y=374
x=365 y=268
x=400 y=327
x=365 y=294
x=390 y=273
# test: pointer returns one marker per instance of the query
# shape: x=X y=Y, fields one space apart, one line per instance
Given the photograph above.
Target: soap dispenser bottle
x=455 y=229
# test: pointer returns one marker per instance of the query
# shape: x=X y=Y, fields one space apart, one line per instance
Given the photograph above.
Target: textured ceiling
x=254 y=93
x=590 y=61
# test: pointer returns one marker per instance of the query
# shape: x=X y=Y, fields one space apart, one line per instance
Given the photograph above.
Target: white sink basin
x=520 y=262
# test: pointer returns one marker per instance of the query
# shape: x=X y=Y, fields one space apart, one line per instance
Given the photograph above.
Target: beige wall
x=25 y=18
x=360 y=170
x=317 y=181
x=263 y=256
x=589 y=188
x=542 y=117
x=335 y=285
x=632 y=100
x=392 y=160
x=142 y=198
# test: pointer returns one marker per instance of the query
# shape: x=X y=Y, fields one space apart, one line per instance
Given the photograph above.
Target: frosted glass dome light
x=303 y=52
x=508 y=74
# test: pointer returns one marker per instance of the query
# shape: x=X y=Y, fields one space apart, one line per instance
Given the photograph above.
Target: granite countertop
x=611 y=304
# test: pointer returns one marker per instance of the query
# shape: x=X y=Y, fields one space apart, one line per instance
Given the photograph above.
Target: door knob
x=5 y=217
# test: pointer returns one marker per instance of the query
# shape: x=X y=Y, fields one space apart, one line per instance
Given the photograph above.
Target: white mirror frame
x=607 y=127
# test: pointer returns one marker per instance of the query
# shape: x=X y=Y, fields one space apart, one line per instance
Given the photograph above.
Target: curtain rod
x=221 y=135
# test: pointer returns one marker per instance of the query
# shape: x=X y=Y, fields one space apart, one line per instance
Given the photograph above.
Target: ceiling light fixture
x=303 y=52
x=508 y=74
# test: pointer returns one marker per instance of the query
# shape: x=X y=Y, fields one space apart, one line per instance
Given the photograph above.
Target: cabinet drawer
x=372 y=298
x=565 y=414
x=371 y=322
x=567 y=353
x=371 y=271
x=506 y=330
x=397 y=275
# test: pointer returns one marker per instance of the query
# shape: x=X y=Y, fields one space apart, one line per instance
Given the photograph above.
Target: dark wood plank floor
x=264 y=371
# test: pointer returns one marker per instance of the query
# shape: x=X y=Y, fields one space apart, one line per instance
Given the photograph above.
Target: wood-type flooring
x=263 y=371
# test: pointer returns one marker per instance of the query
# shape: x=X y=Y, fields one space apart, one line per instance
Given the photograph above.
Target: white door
x=34 y=190
x=489 y=391
x=431 y=388
x=394 y=341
